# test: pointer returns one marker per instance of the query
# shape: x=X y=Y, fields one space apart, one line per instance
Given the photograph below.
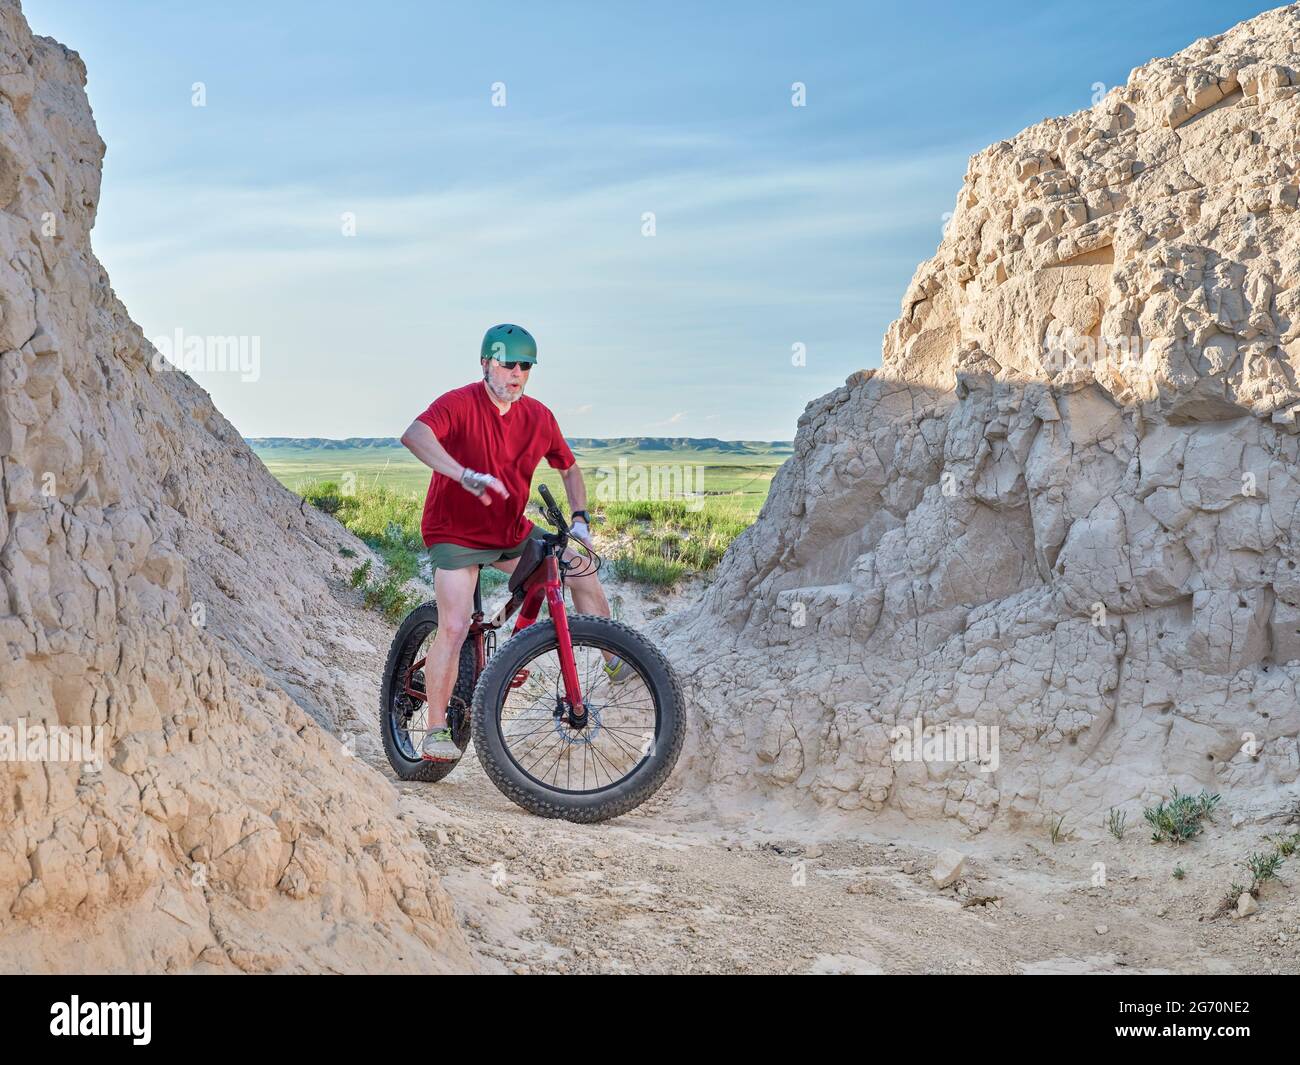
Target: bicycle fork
x=554 y=592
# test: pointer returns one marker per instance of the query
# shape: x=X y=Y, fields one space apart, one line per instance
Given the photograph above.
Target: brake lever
x=552 y=510
x=552 y=519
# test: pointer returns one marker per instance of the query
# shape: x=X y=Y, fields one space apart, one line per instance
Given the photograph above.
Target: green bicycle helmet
x=509 y=343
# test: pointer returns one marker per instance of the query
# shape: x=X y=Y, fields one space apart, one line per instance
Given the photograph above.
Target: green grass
x=387 y=592
x=379 y=516
x=663 y=541
x=378 y=494
x=390 y=524
x=743 y=478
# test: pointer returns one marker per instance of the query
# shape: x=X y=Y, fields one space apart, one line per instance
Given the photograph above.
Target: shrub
x=1179 y=819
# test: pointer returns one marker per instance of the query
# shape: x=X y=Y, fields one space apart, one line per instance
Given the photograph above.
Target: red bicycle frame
x=542 y=584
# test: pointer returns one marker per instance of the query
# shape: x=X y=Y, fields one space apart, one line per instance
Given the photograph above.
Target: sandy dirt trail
x=679 y=886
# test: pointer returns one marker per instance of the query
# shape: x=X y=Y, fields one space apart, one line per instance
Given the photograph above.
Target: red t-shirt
x=508 y=446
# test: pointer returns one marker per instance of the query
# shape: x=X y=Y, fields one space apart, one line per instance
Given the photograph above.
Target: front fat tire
x=536 y=798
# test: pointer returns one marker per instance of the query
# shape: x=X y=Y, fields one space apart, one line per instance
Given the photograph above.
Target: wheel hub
x=584 y=730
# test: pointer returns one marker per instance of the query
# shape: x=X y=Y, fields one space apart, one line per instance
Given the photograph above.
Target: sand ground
x=688 y=884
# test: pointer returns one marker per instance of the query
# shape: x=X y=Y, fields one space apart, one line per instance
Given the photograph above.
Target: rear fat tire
x=411 y=634
x=535 y=797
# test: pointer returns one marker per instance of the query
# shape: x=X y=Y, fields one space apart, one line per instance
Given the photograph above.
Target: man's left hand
x=580 y=532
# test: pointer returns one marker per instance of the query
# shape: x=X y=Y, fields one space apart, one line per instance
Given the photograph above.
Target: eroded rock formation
x=1066 y=506
x=158 y=584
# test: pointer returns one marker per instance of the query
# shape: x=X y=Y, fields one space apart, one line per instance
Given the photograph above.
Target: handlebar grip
x=555 y=516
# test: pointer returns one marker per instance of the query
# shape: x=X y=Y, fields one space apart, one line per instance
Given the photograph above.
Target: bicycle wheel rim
x=621 y=735
x=404 y=711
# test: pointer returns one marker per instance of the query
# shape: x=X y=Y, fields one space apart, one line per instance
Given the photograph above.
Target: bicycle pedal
x=520 y=679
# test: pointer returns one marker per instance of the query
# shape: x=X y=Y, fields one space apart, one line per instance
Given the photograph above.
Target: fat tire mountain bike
x=552 y=729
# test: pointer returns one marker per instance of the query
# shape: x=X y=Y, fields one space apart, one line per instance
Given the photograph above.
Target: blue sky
x=774 y=225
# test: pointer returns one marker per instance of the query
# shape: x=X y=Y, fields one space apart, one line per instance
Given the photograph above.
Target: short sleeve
x=438 y=417
x=558 y=455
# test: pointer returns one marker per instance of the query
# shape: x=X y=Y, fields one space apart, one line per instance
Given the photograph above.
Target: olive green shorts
x=453 y=556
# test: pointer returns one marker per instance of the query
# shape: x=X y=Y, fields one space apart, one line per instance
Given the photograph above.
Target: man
x=483 y=443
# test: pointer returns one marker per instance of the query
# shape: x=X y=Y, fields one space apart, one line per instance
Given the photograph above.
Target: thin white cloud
x=747 y=261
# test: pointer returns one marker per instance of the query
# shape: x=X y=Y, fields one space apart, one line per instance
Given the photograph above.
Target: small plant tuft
x=1287 y=845
x=1263 y=867
x=1229 y=901
x=1179 y=819
x=1116 y=822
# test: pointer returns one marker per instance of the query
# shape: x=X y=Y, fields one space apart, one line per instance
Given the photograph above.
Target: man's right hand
x=482 y=485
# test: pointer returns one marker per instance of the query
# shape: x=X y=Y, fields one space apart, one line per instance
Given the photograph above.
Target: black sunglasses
x=525 y=366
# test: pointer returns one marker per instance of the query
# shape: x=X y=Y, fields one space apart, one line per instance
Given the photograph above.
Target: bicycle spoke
x=564 y=748
x=541 y=745
x=536 y=745
x=609 y=766
x=624 y=745
x=547 y=727
x=540 y=742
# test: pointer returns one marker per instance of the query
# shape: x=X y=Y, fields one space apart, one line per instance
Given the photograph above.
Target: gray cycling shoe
x=618 y=671
x=438 y=746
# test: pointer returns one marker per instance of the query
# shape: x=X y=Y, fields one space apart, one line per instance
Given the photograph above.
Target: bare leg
x=588 y=595
x=454 y=591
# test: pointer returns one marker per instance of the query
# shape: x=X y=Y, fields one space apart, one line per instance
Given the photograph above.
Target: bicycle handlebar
x=554 y=514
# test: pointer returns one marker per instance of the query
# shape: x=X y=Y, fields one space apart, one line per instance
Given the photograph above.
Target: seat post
x=478 y=592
